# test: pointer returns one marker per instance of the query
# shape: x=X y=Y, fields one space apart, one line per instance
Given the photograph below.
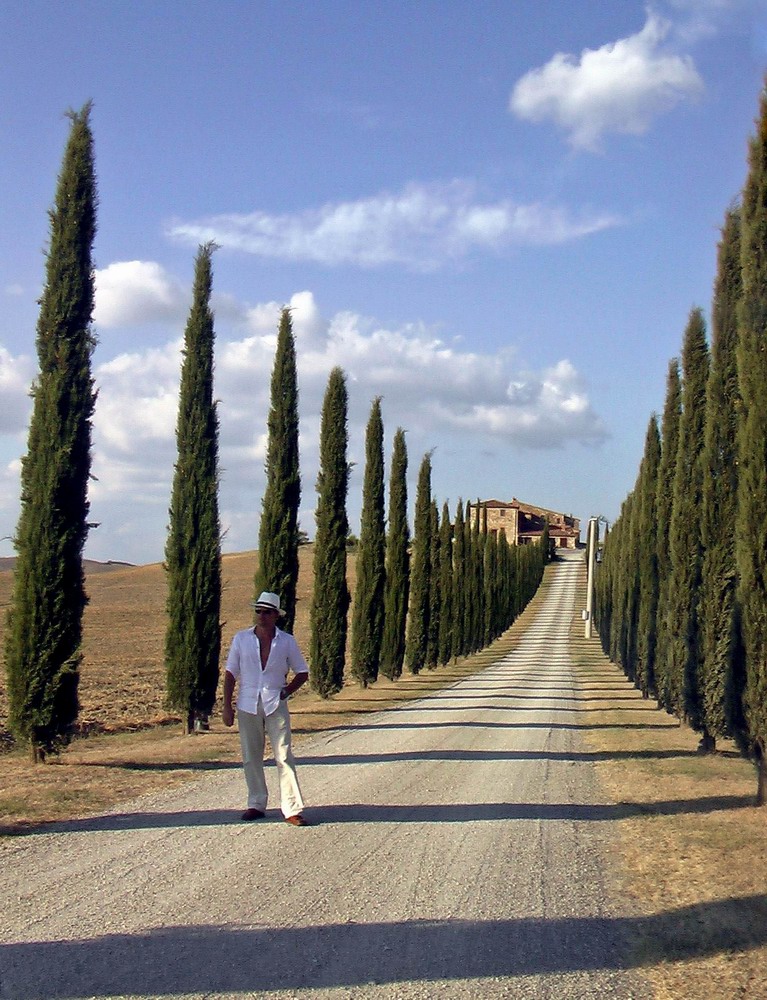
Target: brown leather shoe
x=297 y=820
x=251 y=814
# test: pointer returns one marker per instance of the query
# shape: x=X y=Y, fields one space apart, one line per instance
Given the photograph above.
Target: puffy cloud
x=16 y=375
x=441 y=393
x=134 y=292
x=422 y=227
x=620 y=87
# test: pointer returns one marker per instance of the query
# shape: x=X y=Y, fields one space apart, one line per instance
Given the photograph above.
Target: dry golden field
x=689 y=848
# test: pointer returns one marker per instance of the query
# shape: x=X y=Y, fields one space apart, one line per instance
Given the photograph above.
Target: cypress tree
x=721 y=663
x=672 y=412
x=459 y=581
x=193 y=548
x=684 y=649
x=619 y=626
x=490 y=570
x=397 y=582
x=445 y=587
x=478 y=588
x=330 y=599
x=432 y=644
x=418 y=618
x=278 y=535
x=469 y=579
x=647 y=561
x=751 y=551
x=368 y=614
x=631 y=585
x=44 y=633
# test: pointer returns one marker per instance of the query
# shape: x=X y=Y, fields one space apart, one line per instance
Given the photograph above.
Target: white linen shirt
x=244 y=663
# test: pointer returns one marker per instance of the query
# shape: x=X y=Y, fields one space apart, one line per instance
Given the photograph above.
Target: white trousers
x=277 y=727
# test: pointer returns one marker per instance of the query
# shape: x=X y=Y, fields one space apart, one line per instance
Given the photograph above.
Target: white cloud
x=14 y=291
x=438 y=391
x=134 y=292
x=422 y=227
x=15 y=377
x=621 y=87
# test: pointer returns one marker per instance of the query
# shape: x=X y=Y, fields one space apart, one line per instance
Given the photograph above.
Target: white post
x=592 y=545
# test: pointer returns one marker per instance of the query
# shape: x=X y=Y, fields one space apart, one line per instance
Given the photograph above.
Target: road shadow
x=362 y=812
x=212 y=960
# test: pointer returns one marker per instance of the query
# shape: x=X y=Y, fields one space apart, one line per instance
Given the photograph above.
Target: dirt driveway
x=458 y=849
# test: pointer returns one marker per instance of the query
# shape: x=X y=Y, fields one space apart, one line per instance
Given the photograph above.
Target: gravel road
x=457 y=850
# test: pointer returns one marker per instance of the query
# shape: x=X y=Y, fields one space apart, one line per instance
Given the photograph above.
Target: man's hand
x=227 y=714
x=284 y=693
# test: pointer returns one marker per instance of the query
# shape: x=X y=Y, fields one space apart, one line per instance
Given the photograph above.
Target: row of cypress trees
x=461 y=590
x=447 y=591
x=682 y=590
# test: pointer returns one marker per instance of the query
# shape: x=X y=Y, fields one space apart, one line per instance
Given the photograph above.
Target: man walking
x=260 y=659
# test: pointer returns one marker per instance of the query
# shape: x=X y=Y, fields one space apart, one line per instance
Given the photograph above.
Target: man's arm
x=297 y=681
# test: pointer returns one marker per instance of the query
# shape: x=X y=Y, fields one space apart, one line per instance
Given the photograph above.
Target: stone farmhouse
x=523 y=523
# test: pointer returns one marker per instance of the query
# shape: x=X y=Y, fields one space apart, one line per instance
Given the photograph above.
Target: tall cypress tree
x=469 y=580
x=445 y=587
x=278 y=532
x=478 y=586
x=752 y=449
x=722 y=664
x=684 y=649
x=631 y=585
x=330 y=599
x=490 y=574
x=368 y=614
x=459 y=581
x=647 y=561
x=672 y=412
x=418 y=617
x=43 y=639
x=397 y=584
x=432 y=643
x=193 y=548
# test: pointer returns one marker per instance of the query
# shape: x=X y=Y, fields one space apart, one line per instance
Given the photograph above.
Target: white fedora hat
x=268 y=602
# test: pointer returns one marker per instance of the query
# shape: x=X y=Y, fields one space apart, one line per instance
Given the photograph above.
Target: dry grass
x=690 y=851
x=690 y=847
x=133 y=745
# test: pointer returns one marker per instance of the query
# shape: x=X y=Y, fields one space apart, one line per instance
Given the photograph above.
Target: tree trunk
x=761 y=770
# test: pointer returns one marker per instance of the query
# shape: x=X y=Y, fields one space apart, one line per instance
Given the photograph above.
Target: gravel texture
x=457 y=849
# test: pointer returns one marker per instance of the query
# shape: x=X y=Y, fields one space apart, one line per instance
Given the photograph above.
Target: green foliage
x=722 y=666
x=459 y=582
x=686 y=548
x=330 y=600
x=672 y=412
x=751 y=550
x=43 y=638
x=368 y=615
x=418 y=617
x=432 y=643
x=490 y=579
x=397 y=585
x=193 y=548
x=647 y=560
x=445 y=587
x=278 y=537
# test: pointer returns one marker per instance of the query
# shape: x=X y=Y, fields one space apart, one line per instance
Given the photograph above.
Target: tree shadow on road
x=211 y=959
x=362 y=812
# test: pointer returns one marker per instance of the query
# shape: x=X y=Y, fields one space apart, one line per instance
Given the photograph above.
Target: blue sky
x=495 y=215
